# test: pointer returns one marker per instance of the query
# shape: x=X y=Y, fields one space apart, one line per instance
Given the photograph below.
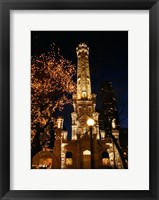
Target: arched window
x=69 y=154
x=69 y=160
x=105 y=158
x=102 y=135
x=86 y=152
x=113 y=124
x=84 y=94
x=105 y=154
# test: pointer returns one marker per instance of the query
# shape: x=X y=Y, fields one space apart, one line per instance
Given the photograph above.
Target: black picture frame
x=6 y=6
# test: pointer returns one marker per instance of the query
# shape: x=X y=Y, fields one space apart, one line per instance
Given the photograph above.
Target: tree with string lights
x=51 y=86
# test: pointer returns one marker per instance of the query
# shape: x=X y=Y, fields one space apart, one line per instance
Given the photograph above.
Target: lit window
x=86 y=152
x=102 y=133
x=113 y=123
x=105 y=158
x=84 y=94
x=105 y=161
x=68 y=161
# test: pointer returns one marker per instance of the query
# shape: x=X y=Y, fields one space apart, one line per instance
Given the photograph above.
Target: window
x=84 y=94
x=105 y=158
x=113 y=123
x=105 y=161
x=86 y=152
x=69 y=160
x=102 y=134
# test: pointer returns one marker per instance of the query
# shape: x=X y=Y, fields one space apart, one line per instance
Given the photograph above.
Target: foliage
x=51 y=86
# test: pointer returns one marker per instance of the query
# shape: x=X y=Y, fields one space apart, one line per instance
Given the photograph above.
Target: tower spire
x=83 y=72
x=84 y=101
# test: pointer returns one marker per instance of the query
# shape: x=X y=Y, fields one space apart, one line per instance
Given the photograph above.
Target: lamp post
x=90 y=123
x=112 y=125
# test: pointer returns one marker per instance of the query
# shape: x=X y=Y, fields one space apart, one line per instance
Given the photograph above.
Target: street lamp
x=90 y=123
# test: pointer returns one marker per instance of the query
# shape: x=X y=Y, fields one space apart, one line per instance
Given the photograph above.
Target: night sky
x=108 y=58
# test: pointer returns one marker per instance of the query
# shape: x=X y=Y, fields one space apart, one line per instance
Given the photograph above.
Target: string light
x=51 y=83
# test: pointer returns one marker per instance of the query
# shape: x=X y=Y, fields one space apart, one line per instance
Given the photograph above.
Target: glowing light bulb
x=90 y=122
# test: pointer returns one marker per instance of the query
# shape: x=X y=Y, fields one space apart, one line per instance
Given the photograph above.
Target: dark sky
x=108 y=57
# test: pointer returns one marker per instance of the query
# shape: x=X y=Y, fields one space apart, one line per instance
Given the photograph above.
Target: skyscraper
x=108 y=119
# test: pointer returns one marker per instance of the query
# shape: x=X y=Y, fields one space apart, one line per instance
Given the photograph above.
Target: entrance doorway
x=86 y=159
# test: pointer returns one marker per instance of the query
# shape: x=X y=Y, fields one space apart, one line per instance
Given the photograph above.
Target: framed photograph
x=79 y=99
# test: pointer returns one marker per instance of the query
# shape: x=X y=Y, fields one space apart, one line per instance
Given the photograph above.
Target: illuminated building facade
x=90 y=146
x=84 y=101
